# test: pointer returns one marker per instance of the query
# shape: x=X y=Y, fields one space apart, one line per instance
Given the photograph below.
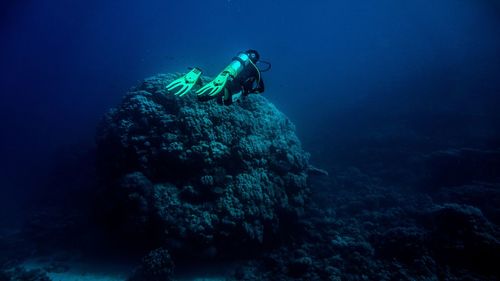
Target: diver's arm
x=260 y=87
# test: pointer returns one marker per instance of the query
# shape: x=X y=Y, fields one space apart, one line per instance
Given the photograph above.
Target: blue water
x=347 y=73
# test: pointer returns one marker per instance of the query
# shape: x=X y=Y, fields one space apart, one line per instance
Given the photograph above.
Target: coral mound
x=200 y=177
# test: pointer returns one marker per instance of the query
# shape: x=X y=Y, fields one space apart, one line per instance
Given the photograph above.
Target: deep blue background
x=337 y=67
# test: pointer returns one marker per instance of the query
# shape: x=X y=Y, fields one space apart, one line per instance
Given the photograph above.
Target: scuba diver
x=239 y=79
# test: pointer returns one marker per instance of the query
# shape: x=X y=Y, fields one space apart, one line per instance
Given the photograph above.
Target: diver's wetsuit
x=247 y=82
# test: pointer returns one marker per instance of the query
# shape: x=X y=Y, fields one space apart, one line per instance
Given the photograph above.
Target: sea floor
x=104 y=271
x=80 y=271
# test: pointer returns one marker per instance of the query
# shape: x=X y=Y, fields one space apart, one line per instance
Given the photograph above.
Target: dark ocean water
x=397 y=95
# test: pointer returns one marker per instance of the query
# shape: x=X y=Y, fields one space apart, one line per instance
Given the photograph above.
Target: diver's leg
x=227 y=97
x=236 y=97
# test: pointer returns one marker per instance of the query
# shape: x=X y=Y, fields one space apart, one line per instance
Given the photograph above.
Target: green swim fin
x=215 y=86
x=186 y=82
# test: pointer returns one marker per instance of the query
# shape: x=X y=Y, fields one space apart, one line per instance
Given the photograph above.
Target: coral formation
x=21 y=274
x=155 y=266
x=194 y=183
x=200 y=177
x=365 y=231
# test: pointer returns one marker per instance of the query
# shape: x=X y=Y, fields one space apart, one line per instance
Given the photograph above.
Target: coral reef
x=155 y=266
x=201 y=180
x=198 y=177
x=201 y=185
x=21 y=274
x=363 y=230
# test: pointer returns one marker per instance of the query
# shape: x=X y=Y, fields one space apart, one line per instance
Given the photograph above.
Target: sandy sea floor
x=92 y=271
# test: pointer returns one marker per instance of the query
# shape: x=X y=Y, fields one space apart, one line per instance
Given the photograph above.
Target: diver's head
x=253 y=55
